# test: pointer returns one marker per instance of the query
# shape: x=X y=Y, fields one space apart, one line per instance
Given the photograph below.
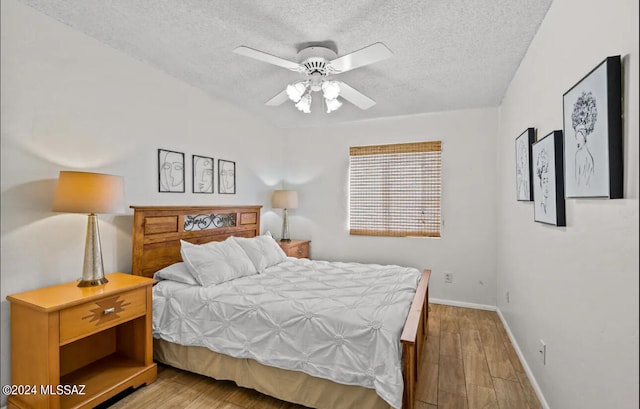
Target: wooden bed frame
x=157 y=231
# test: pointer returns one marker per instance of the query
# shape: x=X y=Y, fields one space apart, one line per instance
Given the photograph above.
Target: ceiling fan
x=318 y=63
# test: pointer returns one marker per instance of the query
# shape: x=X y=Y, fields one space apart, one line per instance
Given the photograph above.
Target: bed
x=157 y=235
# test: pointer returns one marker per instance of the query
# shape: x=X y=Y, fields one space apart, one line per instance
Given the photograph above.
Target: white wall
x=575 y=287
x=71 y=103
x=317 y=165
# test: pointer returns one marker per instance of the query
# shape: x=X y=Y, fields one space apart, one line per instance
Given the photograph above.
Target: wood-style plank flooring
x=469 y=363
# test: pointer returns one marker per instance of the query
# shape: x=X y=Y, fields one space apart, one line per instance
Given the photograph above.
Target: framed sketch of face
x=226 y=177
x=548 y=180
x=524 y=173
x=170 y=171
x=202 y=174
x=592 y=117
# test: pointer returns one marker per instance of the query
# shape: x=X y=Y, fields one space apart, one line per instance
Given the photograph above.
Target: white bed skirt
x=287 y=385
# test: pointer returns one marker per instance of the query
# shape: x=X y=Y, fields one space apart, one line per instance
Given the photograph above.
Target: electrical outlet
x=507 y=297
x=543 y=352
x=448 y=278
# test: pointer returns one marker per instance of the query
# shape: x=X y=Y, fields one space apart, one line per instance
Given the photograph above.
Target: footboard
x=413 y=338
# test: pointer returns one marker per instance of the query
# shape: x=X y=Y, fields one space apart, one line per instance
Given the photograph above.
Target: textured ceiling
x=448 y=54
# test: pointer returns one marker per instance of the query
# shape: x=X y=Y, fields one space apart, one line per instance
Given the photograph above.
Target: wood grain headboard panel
x=157 y=231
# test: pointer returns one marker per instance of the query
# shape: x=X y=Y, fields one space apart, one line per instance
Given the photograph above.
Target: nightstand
x=79 y=346
x=296 y=248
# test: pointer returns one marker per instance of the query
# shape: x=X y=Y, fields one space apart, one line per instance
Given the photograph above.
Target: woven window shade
x=394 y=190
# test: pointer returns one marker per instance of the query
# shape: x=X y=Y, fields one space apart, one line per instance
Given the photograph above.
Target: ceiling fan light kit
x=332 y=105
x=317 y=63
x=296 y=91
x=304 y=104
x=330 y=89
x=300 y=94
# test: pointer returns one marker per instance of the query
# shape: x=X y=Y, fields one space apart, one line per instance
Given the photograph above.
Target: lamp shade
x=284 y=199
x=331 y=89
x=332 y=105
x=84 y=192
x=296 y=91
x=304 y=104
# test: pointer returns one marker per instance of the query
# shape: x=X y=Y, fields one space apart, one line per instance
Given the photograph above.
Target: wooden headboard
x=157 y=231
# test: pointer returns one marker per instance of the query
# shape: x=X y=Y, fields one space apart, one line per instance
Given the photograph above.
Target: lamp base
x=92 y=283
x=92 y=270
x=285 y=226
x=285 y=240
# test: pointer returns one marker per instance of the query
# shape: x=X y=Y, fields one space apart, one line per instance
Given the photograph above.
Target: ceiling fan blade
x=268 y=58
x=355 y=97
x=365 y=56
x=278 y=99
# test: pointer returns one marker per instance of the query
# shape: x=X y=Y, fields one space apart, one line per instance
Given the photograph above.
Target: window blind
x=394 y=190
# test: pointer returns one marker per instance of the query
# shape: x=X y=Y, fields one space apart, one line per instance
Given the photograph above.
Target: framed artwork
x=226 y=177
x=202 y=174
x=592 y=117
x=548 y=180
x=170 y=171
x=524 y=172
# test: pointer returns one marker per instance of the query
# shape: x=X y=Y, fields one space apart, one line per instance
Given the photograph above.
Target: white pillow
x=263 y=251
x=176 y=272
x=216 y=262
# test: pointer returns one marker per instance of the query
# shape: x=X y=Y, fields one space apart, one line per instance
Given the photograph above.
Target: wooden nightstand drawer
x=301 y=251
x=296 y=248
x=85 y=319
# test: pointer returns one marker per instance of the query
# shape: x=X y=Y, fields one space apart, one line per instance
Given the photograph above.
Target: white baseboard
x=462 y=304
x=527 y=369
x=532 y=379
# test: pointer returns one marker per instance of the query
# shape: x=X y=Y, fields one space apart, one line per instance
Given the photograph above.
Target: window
x=394 y=190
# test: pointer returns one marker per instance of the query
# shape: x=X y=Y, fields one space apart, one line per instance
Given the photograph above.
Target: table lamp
x=284 y=199
x=84 y=192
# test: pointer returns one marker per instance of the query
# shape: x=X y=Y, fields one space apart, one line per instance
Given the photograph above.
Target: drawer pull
x=109 y=310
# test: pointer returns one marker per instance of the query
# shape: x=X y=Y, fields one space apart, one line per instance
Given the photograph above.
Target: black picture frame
x=524 y=170
x=592 y=123
x=548 y=180
x=202 y=174
x=170 y=171
x=226 y=177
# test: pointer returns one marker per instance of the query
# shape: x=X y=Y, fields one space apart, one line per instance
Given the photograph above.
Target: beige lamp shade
x=284 y=199
x=84 y=192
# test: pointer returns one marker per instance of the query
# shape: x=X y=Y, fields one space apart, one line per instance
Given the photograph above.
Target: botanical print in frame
x=226 y=177
x=548 y=180
x=202 y=174
x=592 y=119
x=524 y=188
x=170 y=171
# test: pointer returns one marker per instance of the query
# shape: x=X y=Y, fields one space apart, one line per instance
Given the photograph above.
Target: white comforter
x=333 y=320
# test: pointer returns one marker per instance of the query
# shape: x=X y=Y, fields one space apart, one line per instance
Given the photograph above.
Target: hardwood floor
x=469 y=364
